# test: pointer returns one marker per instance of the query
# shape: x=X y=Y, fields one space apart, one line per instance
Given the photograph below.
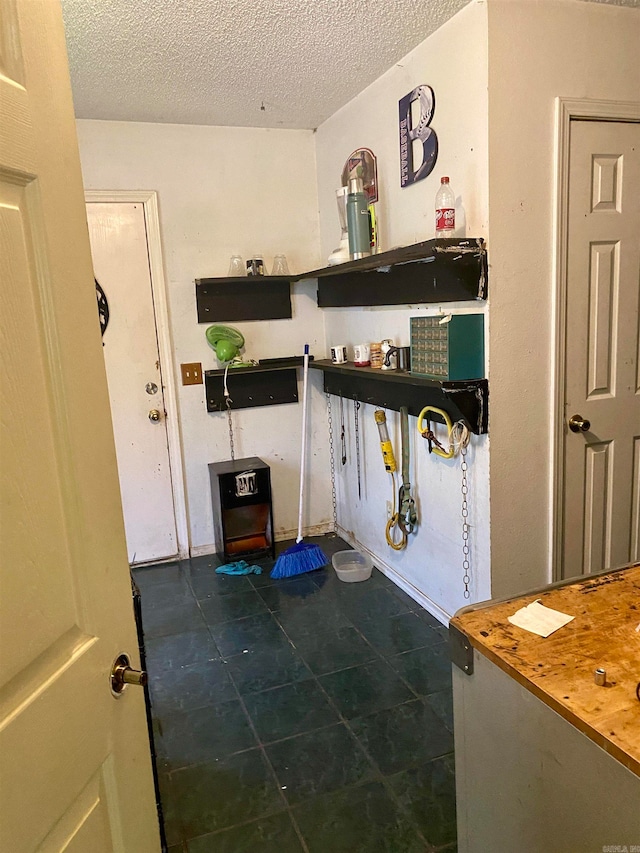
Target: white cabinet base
x=527 y=780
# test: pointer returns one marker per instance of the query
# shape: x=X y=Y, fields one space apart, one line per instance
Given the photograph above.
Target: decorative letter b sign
x=423 y=132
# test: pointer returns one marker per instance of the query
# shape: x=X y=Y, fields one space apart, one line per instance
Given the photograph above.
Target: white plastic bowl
x=352 y=566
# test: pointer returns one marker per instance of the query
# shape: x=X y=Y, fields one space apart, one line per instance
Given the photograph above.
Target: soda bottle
x=445 y=210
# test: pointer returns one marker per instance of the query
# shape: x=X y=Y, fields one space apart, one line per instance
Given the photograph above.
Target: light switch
x=191 y=373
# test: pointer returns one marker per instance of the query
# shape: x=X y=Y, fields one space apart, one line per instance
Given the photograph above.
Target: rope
x=394 y=522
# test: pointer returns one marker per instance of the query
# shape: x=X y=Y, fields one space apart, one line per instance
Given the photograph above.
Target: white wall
x=222 y=191
x=454 y=62
x=496 y=69
x=537 y=51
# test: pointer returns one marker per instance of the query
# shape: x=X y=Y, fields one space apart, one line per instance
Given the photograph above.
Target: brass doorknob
x=154 y=415
x=122 y=674
x=579 y=424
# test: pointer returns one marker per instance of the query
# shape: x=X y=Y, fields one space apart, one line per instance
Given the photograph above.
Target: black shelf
x=251 y=386
x=440 y=270
x=467 y=400
x=221 y=300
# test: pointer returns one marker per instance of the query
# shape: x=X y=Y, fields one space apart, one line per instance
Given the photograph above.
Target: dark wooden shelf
x=467 y=400
x=440 y=270
x=262 y=385
x=222 y=300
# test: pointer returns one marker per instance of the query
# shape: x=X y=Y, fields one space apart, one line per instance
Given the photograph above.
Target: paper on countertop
x=539 y=619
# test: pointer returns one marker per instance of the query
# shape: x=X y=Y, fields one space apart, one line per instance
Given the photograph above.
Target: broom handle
x=303 y=441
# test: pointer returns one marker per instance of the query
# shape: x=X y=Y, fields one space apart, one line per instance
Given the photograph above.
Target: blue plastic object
x=301 y=557
x=240 y=567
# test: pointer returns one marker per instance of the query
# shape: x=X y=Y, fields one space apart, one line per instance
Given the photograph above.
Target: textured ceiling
x=219 y=62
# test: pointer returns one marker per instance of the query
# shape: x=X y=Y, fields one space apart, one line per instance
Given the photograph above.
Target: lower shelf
x=466 y=400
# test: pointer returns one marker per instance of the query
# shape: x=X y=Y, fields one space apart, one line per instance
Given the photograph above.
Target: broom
x=303 y=556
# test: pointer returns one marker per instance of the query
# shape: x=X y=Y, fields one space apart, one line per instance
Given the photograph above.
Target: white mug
x=387 y=344
x=361 y=355
x=339 y=354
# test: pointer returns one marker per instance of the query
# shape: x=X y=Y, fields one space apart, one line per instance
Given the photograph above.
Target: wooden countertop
x=559 y=669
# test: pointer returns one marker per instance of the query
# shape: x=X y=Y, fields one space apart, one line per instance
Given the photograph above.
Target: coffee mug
x=339 y=354
x=361 y=355
x=255 y=266
x=404 y=358
x=388 y=354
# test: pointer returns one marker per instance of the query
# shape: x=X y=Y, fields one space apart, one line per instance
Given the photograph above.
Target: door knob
x=579 y=424
x=122 y=674
x=154 y=415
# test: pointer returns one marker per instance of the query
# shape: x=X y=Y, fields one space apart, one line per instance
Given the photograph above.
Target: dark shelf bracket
x=464 y=400
x=250 y=387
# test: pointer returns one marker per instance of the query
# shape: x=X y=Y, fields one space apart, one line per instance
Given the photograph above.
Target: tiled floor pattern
x=298 y=715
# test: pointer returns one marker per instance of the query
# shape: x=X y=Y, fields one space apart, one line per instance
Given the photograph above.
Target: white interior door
x=120 y=253
x=602 y=459
x=75 y=765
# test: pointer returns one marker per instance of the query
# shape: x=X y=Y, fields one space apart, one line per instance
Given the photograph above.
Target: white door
x=75 y=770
x=602 y=459
x=120 y=254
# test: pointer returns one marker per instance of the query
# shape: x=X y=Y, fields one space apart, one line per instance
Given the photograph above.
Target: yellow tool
x=390 y=466
x=435 y=446
x=385 y=441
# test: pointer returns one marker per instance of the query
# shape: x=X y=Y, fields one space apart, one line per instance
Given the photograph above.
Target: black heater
x=242 y=512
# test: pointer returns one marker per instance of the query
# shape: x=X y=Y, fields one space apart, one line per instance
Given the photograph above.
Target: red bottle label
x=445 y=219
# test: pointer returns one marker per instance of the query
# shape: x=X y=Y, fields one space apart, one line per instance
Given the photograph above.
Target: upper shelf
x=440 y=270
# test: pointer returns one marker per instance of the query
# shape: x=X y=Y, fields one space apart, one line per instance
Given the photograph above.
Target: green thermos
x=358 y=220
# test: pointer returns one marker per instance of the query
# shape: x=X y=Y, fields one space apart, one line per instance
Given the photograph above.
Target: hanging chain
x=333 y=465
x=231 y=444
x=466 y=565
x=356 y=427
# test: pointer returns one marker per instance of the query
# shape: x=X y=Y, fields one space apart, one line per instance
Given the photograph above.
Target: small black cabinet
x=242 y=509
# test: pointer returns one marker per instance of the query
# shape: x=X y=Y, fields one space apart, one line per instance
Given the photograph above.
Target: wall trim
x=567 y=110
x=149 y=201
x=282 y=536
x=398 y=579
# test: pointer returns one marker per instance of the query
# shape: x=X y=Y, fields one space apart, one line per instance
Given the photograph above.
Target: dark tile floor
x=298 y=715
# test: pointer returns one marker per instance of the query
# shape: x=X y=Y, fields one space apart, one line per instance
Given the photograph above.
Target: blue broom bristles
x=299 y=558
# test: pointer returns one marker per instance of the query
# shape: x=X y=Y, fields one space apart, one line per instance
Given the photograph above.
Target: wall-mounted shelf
x=440 y=270
x=222 y=300
x=467 y=400
x=250 y=387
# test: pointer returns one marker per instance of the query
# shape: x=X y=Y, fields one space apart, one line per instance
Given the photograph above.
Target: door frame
x=149 y=201
x=567 y=110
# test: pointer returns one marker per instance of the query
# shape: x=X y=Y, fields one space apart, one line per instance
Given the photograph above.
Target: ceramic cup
x=339 y=354
x=361 y=355
x=255 y=266
x=388 y=354
x=404 y=358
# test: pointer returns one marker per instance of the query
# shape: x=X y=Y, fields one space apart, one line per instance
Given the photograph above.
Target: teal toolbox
x=450 y=350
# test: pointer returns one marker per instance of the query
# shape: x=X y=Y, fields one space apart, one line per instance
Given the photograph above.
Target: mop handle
x=303 y=440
